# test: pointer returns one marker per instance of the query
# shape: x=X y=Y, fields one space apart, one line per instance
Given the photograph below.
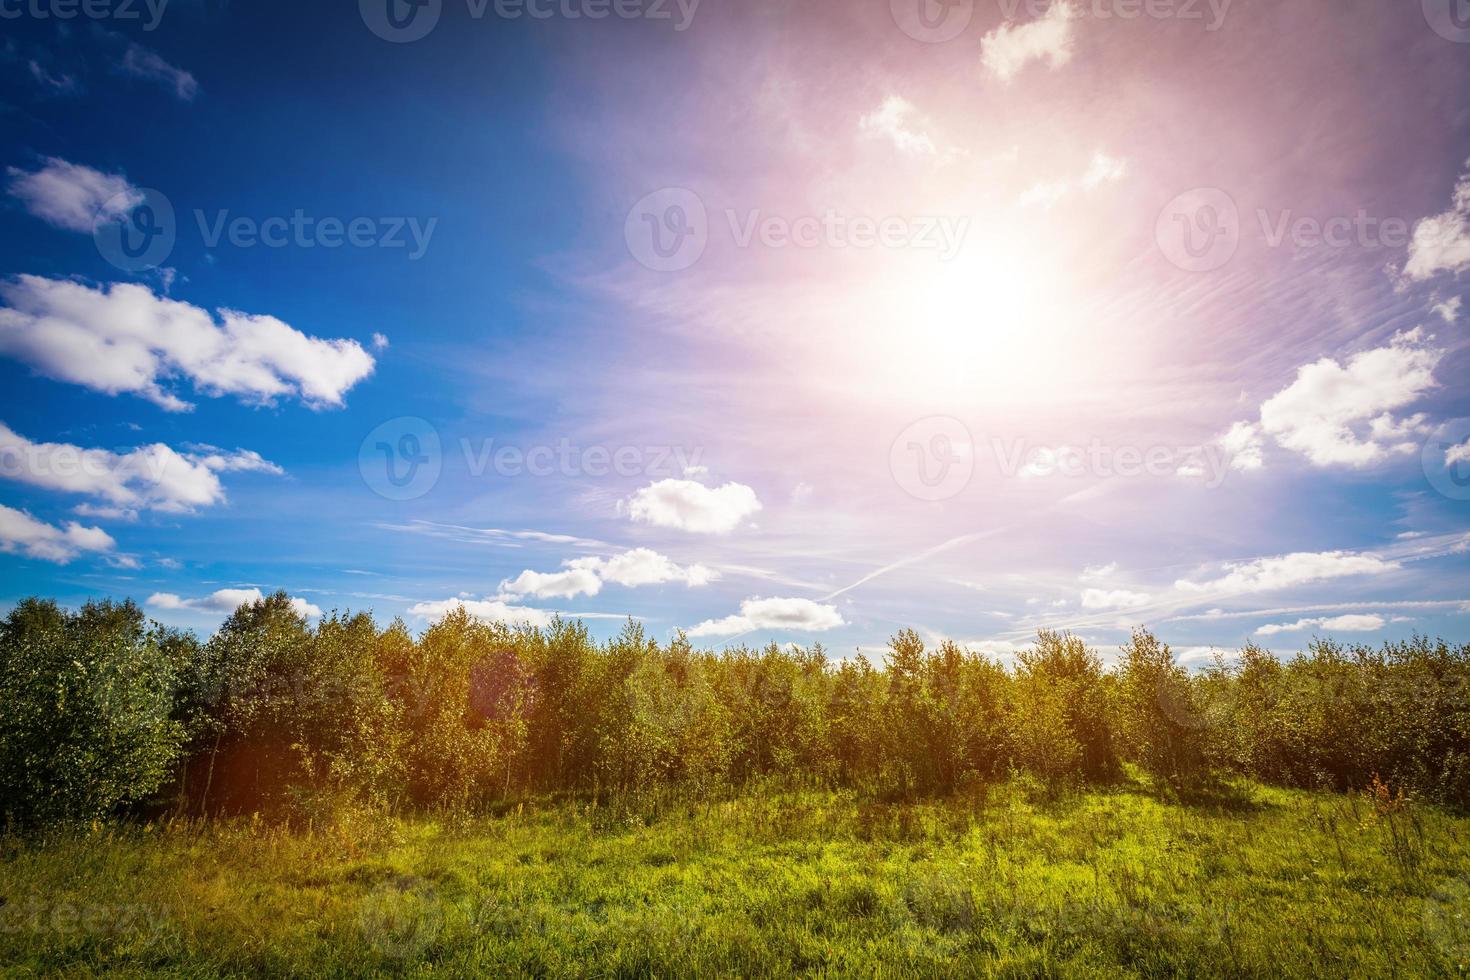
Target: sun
x=990 y=325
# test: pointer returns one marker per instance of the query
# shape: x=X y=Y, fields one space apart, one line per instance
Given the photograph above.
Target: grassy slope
x=1106 y=882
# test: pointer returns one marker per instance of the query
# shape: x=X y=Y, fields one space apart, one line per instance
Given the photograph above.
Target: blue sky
x=765 y=322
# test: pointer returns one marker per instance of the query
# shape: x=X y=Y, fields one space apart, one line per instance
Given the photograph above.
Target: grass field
x=1267 y=883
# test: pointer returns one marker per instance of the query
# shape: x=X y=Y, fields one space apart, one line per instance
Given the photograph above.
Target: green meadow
x=1013 y=881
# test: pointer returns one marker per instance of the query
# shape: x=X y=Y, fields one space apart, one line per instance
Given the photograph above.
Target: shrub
x=85 y=710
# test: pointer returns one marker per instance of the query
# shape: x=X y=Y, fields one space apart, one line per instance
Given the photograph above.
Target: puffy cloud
x=1010 y=47
x=491 y=610
x=1113 y=599
x=893 y=121
x=554 y=585
x=1244 y=446
x=123 y=338
x=140 y=62
x=71 y=196
x=773 y=614
x=227 y=601
x=1442 y=243
x=643 y=566
x=152 y=477
x=1342 y=415
x=640 y=566
x=1337 y=624
x=694 y=507
x=20 y=533
x=1287 y=571
x=1457 y=454
x=1449 y=310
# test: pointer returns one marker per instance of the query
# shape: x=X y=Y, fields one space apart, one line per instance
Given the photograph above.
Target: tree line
x=105 y=712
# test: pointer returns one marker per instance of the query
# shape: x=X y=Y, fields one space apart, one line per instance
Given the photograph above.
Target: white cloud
x=227 y=601
x=1341 y=415
x=693 y=507
x=152 y=477
x=491 y=610
x=20 y=533
x=1442 y=243
x=62 y=84
x=1244 y=446
x=640 y=566
x=70 y=196
x=893 y=121
x=380 y=342
x=140 y=62
x=1457 y=454
x=1113 y=599
x=554 y=585
x=1100 y=571
x=1008 y=48
x=123 y=338
x=1336 y=624
x=1101 y=170
x=1449 y=310
x=1287 y=571
x=773 y=614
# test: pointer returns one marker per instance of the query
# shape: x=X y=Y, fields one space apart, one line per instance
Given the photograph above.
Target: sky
x=765 y=321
